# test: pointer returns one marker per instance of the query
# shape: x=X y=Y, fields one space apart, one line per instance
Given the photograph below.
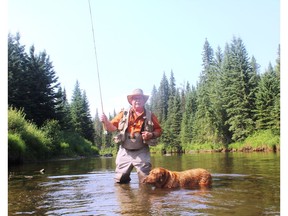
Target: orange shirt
x=135 y=122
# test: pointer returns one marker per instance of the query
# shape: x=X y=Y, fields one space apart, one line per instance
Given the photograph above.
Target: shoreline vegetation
x=28 y=143
x=235 y=106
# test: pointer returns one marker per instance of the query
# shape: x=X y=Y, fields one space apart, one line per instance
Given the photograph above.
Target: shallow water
x=243 y=184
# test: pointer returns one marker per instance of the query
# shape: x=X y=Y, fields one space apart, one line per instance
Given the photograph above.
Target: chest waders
x=134 y=143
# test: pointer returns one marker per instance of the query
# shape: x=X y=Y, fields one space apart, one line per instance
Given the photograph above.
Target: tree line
x=34 y=91
x=231 y=100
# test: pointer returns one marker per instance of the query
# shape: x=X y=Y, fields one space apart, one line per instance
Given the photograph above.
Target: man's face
x=138 y=101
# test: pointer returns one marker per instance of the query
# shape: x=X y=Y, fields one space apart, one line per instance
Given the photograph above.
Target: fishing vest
x=136 y=142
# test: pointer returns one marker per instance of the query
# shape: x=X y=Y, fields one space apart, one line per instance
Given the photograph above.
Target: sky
x=138 y=41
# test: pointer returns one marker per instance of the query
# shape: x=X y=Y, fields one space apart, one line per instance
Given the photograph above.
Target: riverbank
x=261 y=141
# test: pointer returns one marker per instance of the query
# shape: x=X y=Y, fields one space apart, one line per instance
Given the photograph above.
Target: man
x=137 y=129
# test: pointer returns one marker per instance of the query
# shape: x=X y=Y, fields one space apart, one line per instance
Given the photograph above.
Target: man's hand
x=103 y=118
x=147 y=135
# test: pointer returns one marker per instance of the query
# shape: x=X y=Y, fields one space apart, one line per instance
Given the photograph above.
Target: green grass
x=16 y=147
x=261 y=140
x=27 y=142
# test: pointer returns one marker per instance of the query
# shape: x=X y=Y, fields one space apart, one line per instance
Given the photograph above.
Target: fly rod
x=96 y=59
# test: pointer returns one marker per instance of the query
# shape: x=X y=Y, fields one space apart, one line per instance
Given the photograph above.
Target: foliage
x=80 y=114
x=27 y=142
x=32 y=82
x=35 y=141
x=232 y=103
x=230 y=100
x=263 y=139
x=78 y=145
x=16 y=147
x=51 y=128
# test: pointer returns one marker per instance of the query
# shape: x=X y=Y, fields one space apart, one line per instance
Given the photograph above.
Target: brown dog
x=163 y=178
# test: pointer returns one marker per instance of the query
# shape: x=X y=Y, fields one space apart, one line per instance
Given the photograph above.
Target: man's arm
x=107 y=124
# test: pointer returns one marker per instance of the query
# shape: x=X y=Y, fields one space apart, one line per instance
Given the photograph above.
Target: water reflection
x=243 y=184
x=133 y=201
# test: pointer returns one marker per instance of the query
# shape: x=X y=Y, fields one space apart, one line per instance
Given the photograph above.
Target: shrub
x=16 y=148
x=261 y=140
x=65 y=149
x=53 y=132
x=16 y=120
x=78 y=144
x=35 y=140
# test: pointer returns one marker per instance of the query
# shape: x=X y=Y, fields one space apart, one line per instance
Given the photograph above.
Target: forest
x=233 y=106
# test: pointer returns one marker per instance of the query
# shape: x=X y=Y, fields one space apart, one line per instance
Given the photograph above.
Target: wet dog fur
x=193 y=178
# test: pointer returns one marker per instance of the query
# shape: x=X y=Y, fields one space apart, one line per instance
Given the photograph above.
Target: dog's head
x=157 y=177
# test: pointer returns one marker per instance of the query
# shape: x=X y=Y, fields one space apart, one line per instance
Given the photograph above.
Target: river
x=243 y=184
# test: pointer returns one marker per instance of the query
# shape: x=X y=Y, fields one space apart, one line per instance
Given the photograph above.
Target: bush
x=65 y=149
x=16 y=148
x=79 y=145
x=261 y=140
x=53 y=132
x=34 y=139
x=36 y=142
x=26 y=142
x=16 y=120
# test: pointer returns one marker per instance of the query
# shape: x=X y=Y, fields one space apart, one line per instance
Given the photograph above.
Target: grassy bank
x=26 y=142
x=260 y=141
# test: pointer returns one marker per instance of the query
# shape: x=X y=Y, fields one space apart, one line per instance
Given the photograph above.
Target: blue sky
x=137 y=41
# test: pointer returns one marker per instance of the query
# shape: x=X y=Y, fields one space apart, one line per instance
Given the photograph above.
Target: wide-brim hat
x=137 y=92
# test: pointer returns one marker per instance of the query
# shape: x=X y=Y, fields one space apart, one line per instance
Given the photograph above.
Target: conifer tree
x=32 y=82
x=237 y=90
x=205 y=124
x=172 y=126
x=153 y=101
x=172 y=85
x=162 y=98
x=17 y=71
x=63 y=110
x=267 y=100
x=80 y=113
x=87 y=127
x=98 y=128
x=276 y=111
x=188 y=116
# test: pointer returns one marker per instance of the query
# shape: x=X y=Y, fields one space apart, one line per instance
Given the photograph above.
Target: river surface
x=243 y=184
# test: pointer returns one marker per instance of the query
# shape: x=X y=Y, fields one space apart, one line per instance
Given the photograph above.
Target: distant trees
x=230 y=102
x=31 y=82
x=34 y=88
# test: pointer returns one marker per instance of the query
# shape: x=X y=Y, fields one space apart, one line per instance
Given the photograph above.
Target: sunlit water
x=243 y=184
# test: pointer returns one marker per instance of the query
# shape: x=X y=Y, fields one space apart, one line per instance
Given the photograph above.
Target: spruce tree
x=172 y=126
x=87 y=123
x=63 y=110
x=80 y=113
x=267 y=100
x=98 y=128
x=162 y=98
x=205 y=124
x=237 y=90
x=153 y=101
x=17 y=72
x=32 y=82
x=188 y=117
